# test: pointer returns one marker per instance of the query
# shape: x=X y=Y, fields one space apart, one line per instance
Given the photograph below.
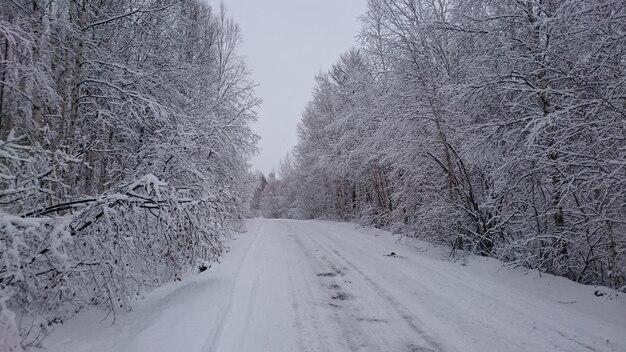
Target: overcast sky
x=285 y=44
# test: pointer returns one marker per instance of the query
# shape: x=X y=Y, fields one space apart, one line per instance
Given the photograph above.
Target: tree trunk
x=37 y=114
x=616 y=275
x=5 y=119
x=81 y=11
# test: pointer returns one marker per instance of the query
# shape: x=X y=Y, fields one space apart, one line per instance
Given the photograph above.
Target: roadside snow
x=291 y=285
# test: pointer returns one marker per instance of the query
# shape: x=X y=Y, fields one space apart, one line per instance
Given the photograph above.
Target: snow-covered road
x=293 y=285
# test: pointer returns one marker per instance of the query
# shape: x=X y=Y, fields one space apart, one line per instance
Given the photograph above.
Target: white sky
x=285 y=44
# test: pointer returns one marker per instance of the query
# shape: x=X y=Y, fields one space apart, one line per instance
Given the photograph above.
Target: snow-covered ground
x=291 y=285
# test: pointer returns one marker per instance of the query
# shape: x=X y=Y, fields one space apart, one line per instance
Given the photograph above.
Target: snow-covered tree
x=493 y=127
x=124 y=139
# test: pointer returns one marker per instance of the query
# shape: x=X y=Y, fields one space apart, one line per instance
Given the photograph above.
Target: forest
x=124 y=139
x=494 y=127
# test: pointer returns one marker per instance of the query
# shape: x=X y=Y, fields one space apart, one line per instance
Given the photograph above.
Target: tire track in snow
x=428 y=343
x=307 y=315
x=456 y=301
x=353 y=336
x=352 y=323
x=213 y=340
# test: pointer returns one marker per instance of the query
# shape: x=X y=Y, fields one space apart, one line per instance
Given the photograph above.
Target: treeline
x=496 y=127
x=124 y=139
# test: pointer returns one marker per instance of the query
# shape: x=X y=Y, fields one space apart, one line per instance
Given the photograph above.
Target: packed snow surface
x=290 y=285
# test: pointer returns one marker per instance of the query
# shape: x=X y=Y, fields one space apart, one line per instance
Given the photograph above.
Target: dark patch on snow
x=340 y=296
x=334 y=305
x=332 y=273
x=372 y=320
x=334 y=287
x=202 y=268
x=414 y=348
x=327 y=274
x=394 y=255
x=335 y=269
